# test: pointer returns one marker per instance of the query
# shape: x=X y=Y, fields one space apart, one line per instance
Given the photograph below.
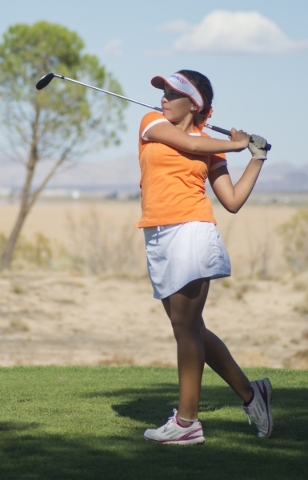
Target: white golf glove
x=256 y=147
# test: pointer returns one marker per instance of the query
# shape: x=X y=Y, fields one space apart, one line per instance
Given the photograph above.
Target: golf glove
x=256 y=147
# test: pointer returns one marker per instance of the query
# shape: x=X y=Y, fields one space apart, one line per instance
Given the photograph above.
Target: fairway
x=87 y=423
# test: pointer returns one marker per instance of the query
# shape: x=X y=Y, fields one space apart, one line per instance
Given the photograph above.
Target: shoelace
x=174 y=412
x=259 y=425
x=248 y=416
x=171 y=419
x=249 y=419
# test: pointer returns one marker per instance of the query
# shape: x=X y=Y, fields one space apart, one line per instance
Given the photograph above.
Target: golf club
x=46 y=79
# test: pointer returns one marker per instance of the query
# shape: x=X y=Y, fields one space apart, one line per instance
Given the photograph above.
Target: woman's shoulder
x=152 y=117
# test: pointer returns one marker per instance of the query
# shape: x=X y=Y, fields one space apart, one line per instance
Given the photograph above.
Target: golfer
x=184 y=249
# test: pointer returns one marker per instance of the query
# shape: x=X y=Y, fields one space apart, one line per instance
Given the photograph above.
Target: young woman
x=184 y=249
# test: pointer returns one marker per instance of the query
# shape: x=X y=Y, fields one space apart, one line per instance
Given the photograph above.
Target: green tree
x=60 y=123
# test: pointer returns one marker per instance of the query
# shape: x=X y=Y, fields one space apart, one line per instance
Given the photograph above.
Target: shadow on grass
x=153 y=404
x=17 y=426
x=232 y=451
x=232 y=448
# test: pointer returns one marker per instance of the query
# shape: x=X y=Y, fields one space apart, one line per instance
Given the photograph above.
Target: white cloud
x=113 y=48
x=222 y=31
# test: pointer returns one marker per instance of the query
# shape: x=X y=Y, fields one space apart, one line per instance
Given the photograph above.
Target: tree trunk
x=23 y=212
x=26 y=204
x=11 y=243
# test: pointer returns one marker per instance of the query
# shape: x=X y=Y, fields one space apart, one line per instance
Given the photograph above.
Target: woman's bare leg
x=184 y=309
x=218 y=357
x=181 y=308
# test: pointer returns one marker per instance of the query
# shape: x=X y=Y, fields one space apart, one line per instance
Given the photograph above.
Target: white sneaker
x=260 y=407
x=172 y=432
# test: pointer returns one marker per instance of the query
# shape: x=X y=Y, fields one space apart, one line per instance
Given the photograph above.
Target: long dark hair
x=204 y=86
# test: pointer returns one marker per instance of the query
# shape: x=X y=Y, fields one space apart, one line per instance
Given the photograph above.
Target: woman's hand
x=240 y=137
x=257 y=147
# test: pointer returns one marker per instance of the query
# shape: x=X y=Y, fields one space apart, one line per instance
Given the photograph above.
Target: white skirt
x=180 y=253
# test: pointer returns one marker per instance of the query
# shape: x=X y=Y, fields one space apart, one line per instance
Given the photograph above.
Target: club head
x=44 y=81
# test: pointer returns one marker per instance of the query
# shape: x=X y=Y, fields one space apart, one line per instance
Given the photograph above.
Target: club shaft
x=109 y=93
x=212 y=127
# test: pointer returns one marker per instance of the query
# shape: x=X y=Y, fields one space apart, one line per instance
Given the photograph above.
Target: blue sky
x=255 y=54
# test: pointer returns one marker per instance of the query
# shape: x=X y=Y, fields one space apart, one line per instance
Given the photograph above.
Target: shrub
x=38 y=252
x=294 y=234
x=103 y=245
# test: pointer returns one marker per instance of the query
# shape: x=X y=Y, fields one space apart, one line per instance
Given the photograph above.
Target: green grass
x=73 y=423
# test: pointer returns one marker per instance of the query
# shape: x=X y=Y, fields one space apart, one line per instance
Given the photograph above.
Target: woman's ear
x=210 y=113
x=193 y=108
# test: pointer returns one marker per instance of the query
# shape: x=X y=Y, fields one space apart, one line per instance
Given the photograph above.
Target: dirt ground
x=64 y=319
x=67 y=318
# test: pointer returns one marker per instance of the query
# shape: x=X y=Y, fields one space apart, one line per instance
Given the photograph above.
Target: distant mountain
x=123 y=174
x=278 y=177
x=108 y=174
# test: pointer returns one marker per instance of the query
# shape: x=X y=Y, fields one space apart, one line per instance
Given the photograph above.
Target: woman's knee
x=183 y=325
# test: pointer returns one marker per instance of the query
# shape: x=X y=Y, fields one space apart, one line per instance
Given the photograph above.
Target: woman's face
x=176 y=107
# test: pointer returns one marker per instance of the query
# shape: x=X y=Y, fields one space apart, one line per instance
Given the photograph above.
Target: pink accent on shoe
x=187 y=436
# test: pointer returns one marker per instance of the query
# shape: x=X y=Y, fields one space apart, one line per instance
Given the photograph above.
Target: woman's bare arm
x=173 y=136
x=233 y=197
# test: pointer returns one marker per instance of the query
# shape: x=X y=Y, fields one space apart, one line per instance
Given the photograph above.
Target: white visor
x=180 y=84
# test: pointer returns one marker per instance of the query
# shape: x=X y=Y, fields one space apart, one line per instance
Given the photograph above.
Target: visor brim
x=159 y=82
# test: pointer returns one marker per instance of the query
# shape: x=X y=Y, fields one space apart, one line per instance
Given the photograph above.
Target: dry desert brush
x=294 y=234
